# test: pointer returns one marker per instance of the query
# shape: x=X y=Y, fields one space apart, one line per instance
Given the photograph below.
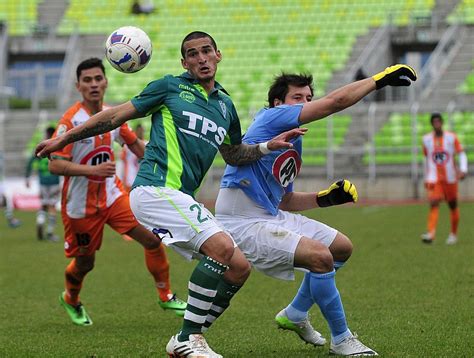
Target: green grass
x=403 y=298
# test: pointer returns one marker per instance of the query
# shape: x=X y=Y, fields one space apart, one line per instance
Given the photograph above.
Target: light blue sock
x=338 y=264
x=326 y=295
x=298 y=309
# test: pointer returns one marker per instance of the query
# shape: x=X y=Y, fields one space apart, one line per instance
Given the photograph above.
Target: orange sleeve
x=457 y=145
x=126 y=134
x=65 y=124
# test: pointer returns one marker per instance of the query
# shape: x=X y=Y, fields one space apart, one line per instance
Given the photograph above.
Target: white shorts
x=176 y=217
x=268 y=242
x=49 y=194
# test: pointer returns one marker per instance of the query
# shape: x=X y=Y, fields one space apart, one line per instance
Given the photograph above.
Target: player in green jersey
x=192 y=118
x=49 y=193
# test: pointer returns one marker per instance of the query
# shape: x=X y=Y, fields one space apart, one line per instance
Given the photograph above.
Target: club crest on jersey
x=286 y=167
x=223 y=108
x=440 y=157
x=187 y=96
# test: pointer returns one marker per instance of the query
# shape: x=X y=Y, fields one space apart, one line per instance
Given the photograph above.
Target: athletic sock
x=158 y=266
x=298 y=309
x=433 y=219
x=326 y=295
x=51 y=224
x=73 y=283
x=225 y=292
x=202 y=291
x=40 y=217
x=454 y=217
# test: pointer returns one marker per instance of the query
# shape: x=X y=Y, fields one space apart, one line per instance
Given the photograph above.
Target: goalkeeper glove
x=395 y=76
x=340 y=192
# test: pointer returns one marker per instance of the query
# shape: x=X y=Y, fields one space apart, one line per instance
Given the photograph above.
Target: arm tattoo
x=101 y=127
x=240 y=154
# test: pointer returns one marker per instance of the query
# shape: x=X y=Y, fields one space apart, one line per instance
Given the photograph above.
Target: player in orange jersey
x=93 y=196
x=442 y=175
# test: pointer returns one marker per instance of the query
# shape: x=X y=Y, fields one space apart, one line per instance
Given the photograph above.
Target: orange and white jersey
x=83 y=196
x=439 y=157
x=130 y=166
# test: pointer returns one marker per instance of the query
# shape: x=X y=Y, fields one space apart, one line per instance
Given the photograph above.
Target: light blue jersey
x=268 y=179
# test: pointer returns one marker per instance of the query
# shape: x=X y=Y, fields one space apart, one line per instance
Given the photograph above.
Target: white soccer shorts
x=49 y=194
x=268 y=242
x=180 y=221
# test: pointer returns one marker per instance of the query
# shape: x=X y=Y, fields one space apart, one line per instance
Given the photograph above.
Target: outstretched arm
x=241 y=154
x=341 y=98
x=340 y=192
x=99 y=123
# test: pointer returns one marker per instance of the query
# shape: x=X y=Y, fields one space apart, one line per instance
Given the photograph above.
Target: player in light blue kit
x=255 y=201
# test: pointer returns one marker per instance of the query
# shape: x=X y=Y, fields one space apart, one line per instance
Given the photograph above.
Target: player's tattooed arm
x=240 y=154
x=103 y=126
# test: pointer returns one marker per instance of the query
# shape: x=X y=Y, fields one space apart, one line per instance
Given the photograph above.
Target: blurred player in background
x=441 y=176
x=93 y=196
x=192 y=118
x=255 y=203
x=49 y=193
x=6 y=203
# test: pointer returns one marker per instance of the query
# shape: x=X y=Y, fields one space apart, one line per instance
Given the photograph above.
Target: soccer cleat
x=452 y=239
x=14 y=222
x=77 y=313
x=195 y=347
x=351 y=346
x=304 y=329
x=52 y=237
x=427 y=238
x=173 y=304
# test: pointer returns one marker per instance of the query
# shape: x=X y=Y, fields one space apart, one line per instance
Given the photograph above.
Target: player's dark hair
x=280 y=86
x=436 y=115
x=89 y=63
x=197 y=35
x=50 y=131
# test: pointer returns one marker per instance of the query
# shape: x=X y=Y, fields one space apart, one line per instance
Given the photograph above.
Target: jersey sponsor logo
x=207 y=128
x=98 y=156
x=185 y=87
x=286 y=167
x=440 y=157
x=223 y=108
x=187 y=96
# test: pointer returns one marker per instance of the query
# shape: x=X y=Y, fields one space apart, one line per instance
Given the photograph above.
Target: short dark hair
x=89 y=63
x=436 y=115
x=197 y=35
x=279 y=88
x=50 y=131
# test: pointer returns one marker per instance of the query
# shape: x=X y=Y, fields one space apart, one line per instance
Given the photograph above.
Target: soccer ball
x=128 y=49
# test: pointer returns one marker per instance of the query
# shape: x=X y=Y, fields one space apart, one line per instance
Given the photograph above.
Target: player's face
x=296 y=95
x=92 y=84
x=437 y=124
x=200 y=58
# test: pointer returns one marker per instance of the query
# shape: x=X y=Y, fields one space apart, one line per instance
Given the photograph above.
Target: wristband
x=264 y=148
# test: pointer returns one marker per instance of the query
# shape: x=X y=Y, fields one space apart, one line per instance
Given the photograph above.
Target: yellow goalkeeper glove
x=396 y=75
x=340 y=192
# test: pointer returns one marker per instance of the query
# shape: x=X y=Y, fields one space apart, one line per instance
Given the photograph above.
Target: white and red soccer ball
x=128 y=49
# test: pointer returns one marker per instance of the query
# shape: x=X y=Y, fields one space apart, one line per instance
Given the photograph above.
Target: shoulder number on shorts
x=200 y=218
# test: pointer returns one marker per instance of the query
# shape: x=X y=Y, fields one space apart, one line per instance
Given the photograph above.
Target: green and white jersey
x=188 y=126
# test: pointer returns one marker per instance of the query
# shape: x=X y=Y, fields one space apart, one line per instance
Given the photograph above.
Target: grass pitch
x=403 y=298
